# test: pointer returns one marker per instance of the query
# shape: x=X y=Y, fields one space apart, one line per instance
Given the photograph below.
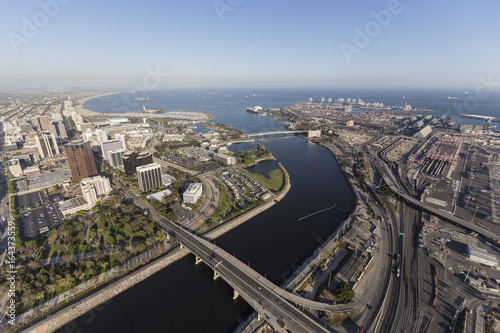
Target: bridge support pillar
x=197 y=260
x=180 y=245
x=235 y=294
x=216 y=275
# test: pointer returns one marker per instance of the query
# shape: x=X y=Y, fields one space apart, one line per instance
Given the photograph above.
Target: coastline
x=86 y=112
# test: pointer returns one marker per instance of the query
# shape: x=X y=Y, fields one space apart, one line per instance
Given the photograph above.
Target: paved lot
x=31 y=200
x=38 y=214
x=38 y=221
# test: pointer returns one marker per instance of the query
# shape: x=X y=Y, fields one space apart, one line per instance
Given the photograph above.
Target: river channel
x=184 y=298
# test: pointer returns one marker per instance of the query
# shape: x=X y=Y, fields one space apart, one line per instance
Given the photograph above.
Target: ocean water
x=223 y=102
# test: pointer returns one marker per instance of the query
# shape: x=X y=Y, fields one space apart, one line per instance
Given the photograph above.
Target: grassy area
x=274 y=182
x=222 y=207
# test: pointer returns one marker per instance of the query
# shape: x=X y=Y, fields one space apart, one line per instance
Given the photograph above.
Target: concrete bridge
x=310 y=133
x=268 y=299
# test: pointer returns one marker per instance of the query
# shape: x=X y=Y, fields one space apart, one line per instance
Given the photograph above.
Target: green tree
x=344 y=291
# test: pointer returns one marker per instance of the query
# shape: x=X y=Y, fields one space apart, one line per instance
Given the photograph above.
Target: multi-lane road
x=252 y=286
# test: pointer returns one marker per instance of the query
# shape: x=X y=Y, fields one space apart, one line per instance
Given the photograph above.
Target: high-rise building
x=149 y=176
x=93 y=187
x=58 y=130
x=81 y=160
x=115 y=157
x=43 y=123
x=107 y=146
x=101 y=135
x=47 y=144
x=132 y=159
x=128 y=159
x=123 y=139
x=89 y=192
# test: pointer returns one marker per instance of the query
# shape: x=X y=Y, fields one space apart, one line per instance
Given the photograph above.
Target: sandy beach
x=85 y=112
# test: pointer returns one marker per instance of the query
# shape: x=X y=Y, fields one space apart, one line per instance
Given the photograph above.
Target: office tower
x=58 y=130
x=94 y=187
x=107 y=146
x=81 y=160
x=149 y=176
x=47 y=144
x=43 y=123
x=132 y=159
x=115 y=157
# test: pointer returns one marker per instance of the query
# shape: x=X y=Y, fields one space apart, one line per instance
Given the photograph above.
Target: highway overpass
x=439 y=213
x=268 y=299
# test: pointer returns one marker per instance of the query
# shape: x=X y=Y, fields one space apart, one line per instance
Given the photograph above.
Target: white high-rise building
x=115 y=157
x=89 y=192
x=149 y=176
x=101 y=135
x=93 y=187
x=122 y=139
x=46 y=143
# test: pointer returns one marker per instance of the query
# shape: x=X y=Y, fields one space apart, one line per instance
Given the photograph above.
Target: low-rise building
x=31 y=170
x=481 y=256
x=193 y=193
x=159 y=195
x=423 y=132
x=173 y=137
x=224 y=159
x=15 y=167
x=167 y=180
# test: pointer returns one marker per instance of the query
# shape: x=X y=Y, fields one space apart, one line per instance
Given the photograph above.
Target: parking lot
x=37 y=214
x=447 y=244
x=31 y=200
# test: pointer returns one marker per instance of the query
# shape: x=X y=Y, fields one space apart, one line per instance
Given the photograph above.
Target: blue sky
x=112 y=43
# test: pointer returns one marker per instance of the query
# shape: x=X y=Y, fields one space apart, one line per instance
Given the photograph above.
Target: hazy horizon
x=124 y=44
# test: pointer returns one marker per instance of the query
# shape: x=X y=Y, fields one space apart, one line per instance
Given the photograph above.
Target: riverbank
x=222 y=229
x=66 y=316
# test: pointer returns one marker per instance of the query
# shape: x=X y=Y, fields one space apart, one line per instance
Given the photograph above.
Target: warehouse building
x=481 y=256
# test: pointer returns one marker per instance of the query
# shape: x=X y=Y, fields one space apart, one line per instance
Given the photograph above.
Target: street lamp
x=474 y=215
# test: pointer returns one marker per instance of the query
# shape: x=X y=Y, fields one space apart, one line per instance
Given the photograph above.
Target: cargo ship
x=144 y=110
